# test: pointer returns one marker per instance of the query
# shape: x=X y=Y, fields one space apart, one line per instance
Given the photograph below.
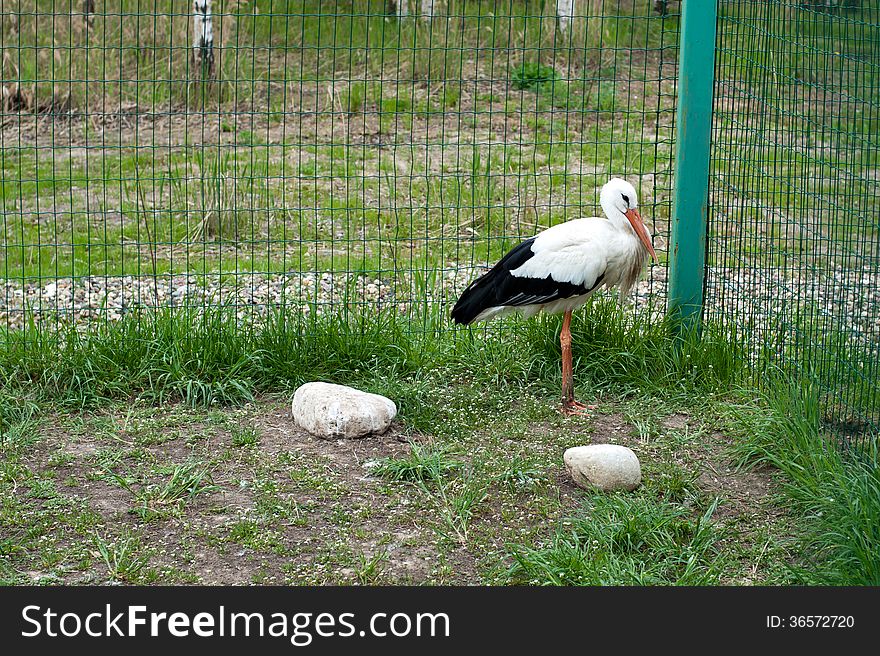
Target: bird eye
x=625 y=198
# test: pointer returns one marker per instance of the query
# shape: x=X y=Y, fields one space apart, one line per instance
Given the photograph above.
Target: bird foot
x=575 y=408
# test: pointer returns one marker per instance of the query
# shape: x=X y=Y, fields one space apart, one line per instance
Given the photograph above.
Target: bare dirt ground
x=272 y=504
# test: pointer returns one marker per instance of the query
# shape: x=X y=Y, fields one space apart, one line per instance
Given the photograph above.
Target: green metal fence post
x=687 y=251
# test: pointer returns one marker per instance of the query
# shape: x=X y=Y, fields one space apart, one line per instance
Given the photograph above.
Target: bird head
x=619 y=199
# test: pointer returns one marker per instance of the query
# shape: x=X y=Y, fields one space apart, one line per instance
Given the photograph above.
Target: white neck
x=613 y=214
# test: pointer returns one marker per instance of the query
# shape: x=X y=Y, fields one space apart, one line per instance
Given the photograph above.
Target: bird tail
x=474 y=300
x=490 y=289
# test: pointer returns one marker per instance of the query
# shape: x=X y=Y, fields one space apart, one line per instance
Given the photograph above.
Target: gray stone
x=607 y=467
x=335 y=411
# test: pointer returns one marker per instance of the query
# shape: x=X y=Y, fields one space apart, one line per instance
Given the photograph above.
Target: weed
x=185 y=482
x=456 y=507
x=244 y=435
x=627 y=540
x=122 y=557
x=424 y=464
x=532 y=76
x=521 y=475
x=369 y=568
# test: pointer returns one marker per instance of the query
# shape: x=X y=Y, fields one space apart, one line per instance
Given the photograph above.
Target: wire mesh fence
x=376 y=154
x=316 y=155
x=795 y=195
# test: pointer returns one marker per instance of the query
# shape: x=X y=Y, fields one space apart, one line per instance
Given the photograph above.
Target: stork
x=558 y=269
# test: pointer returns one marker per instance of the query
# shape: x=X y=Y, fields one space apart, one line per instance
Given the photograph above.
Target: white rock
x=604 y=466
x=333 y=411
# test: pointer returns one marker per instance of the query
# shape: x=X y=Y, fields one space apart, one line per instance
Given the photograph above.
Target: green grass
x=520 y=474
x=271 y=41
x=243 y=436
x=623 y=540
x=264 y=195
x=422 y=465
x=122 y=557
x=781 y=65
x=780 y=155
x=184 y=482
x=475 y=488
x=532 y=76
x=835 y=355
x=205 y=359
x=270 y=194
x=228 y=208
x=836 y=492
x=454 y=500
x=19 y=414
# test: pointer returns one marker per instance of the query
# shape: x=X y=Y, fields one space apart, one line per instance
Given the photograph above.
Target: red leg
x=569 y=405
x=567 y=374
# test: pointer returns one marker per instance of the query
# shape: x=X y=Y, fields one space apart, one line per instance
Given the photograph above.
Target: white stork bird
x=561 y=267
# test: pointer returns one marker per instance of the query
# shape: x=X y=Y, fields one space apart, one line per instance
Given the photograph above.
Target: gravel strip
x=92 y=298
x=844 y=299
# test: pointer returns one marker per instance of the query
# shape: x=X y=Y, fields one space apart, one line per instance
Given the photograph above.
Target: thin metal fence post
x=690 y=206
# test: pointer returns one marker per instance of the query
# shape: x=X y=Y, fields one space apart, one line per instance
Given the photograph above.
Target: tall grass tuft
x=623 y=349
x=422 y=464
x=205 y=357
x=18 y=417
x=837 y=491
x=627 y=540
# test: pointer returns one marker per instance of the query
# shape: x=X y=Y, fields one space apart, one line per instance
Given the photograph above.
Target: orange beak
x=635 y=220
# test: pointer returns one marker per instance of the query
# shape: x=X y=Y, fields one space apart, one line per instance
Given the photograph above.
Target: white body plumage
x=561 y=267
x=579 y=251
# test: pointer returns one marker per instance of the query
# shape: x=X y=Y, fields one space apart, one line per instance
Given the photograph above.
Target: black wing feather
x=498 y=287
